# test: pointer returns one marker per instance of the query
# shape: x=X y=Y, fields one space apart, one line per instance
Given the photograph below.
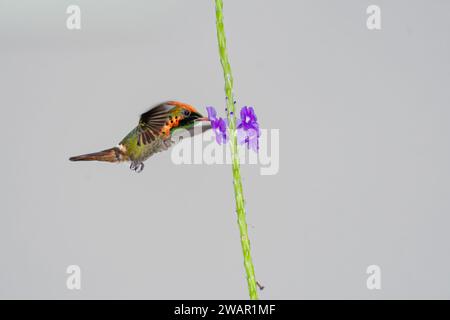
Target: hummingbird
x=153 y=134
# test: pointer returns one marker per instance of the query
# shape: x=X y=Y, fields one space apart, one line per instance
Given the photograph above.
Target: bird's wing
x=152 y=123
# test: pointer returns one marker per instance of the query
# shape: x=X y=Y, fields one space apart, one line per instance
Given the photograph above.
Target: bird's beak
x=198 y=117
x=202 y=119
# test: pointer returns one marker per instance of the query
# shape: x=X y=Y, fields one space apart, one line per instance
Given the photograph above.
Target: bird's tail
x=108 y=155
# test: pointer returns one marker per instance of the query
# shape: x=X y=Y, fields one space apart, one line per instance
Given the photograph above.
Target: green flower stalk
x=238 y=193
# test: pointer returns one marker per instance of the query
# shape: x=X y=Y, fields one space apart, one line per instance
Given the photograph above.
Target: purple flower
x=218 y=125
x=248 y=129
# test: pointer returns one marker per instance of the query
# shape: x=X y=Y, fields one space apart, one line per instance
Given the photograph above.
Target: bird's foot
x=137 y=166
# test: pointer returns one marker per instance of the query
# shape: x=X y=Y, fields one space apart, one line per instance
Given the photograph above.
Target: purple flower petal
x=241 y=135
x=212 y=116
x=218 y=125
x=248 y=128
x=221 y=132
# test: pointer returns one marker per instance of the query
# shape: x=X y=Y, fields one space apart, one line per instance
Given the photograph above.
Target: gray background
x=364 y=150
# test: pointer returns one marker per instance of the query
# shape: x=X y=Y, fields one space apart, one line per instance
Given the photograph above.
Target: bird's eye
x=186 y=113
